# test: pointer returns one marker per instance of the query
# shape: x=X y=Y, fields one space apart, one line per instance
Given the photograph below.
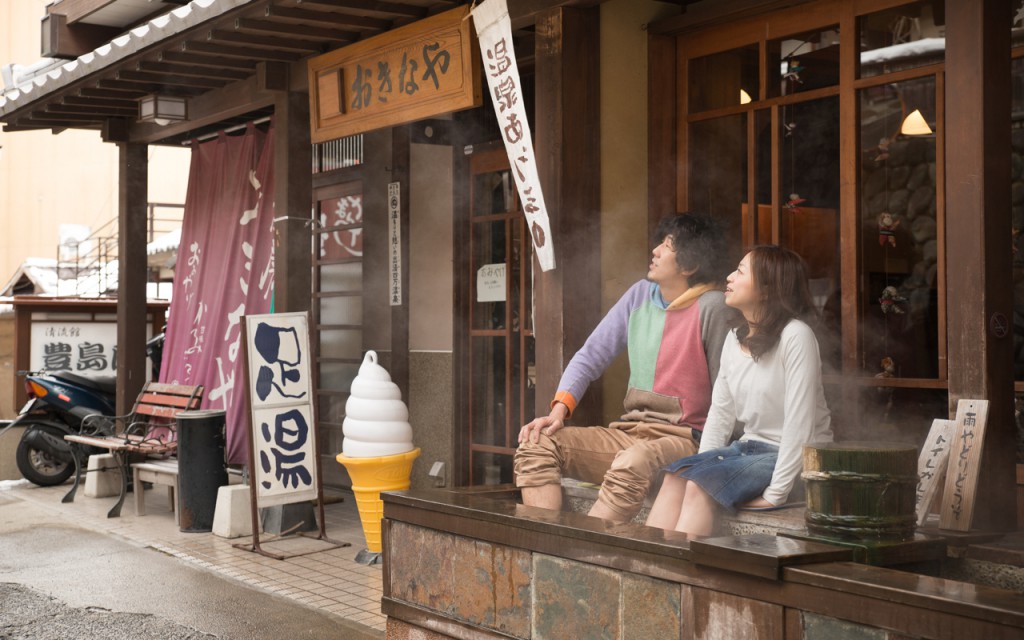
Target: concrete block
x=103 y=477
x=232 y=516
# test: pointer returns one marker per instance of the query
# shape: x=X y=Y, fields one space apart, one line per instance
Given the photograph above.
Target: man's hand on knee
x=548 y=424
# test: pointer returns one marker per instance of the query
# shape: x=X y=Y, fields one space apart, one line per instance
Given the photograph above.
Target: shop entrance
x=500 y=360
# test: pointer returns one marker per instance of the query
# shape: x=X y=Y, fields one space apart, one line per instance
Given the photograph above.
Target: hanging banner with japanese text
x=424 y=69
x=283 y=423
x=494 y=29
x=225 y=270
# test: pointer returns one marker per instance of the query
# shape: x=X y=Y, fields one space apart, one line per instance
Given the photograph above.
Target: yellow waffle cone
x=370 y=476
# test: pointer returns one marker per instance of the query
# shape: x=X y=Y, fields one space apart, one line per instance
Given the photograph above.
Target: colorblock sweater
x=674 y=350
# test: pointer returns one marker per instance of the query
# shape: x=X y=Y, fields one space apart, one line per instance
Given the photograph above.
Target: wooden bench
x=149 y=430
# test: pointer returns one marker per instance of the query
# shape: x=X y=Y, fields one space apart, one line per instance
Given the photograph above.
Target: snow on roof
x=903 y=50
x=48 y=78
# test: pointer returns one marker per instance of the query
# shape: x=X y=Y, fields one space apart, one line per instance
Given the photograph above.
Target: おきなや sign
x=283 y=422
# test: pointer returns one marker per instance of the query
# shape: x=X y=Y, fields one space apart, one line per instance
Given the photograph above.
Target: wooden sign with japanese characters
x=281 y=394
x=424 y=69
x=964 y=465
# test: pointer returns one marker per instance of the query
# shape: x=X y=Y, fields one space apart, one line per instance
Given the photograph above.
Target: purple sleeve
x=604 y=344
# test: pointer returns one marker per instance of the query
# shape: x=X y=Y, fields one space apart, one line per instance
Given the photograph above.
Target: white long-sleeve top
x=778 y=399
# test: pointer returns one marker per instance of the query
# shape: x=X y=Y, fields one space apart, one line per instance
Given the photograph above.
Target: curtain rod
x=210 y=136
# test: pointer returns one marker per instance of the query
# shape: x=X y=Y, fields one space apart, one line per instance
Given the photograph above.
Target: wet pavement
x=67 y=571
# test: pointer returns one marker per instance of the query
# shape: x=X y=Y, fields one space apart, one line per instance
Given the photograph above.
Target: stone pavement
x=329 y=581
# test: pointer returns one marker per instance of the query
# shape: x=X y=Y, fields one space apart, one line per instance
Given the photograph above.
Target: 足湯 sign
x=417 y=71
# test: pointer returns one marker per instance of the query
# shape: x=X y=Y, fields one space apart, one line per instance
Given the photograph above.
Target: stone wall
x=463 y=565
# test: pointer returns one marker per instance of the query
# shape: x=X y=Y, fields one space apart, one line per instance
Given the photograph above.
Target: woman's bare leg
x=697 y=517
x=668 y=503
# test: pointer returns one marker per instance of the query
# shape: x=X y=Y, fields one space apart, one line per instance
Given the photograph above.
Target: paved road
x=63 y=582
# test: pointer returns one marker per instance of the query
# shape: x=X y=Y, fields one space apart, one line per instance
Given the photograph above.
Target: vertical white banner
x=494 y=30
x=395 y=243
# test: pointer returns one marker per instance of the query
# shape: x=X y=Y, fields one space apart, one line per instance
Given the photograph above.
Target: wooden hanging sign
x=964 y=465
x=424 y=69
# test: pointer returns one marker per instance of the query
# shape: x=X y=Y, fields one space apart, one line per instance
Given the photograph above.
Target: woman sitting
x=768 y=386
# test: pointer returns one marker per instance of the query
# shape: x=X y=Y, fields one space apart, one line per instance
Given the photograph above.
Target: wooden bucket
x=861 y=491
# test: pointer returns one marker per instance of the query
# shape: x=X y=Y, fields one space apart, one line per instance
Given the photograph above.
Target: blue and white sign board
x=281 y=396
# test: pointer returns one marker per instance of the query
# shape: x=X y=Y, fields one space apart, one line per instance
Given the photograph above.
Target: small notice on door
x=490 y=283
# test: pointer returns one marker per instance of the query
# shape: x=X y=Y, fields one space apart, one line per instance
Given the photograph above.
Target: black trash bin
x=201 y=468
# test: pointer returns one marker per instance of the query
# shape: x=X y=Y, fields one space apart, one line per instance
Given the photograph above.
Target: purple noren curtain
x=225 y=269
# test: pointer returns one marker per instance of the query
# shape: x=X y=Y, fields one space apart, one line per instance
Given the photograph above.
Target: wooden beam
x=300 y=31
x=260 y=41
x=247 y=52
x=206 y=60
x=392 y=8
x=148 y=78
x=75 y=10
x=979 y=274
x=131 y=273
x=568 y=298
x=344 y=21
x=192 y=70
x=58 y=39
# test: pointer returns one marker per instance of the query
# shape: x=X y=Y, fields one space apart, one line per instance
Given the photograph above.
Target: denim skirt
x=731 y=475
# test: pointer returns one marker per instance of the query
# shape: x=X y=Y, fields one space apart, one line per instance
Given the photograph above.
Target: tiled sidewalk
x=330 y=580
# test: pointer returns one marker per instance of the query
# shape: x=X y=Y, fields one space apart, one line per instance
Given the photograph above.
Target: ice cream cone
x=370 y=476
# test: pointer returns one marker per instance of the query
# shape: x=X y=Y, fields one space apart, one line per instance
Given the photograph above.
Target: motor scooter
x=58 y=402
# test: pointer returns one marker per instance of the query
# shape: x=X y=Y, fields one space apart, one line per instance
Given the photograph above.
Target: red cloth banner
x=225 y=269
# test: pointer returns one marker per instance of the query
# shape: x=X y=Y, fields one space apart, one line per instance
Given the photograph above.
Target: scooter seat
x=106 y=384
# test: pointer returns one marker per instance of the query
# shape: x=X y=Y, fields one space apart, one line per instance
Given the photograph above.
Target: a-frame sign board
x=284 y=450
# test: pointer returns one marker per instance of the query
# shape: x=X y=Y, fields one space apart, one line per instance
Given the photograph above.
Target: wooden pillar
x=567 y=143
x=293 y=198
x=661 y=129
x=978 y=257
x=133 y=197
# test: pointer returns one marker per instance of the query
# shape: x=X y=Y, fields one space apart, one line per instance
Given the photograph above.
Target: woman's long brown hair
x=780 y=280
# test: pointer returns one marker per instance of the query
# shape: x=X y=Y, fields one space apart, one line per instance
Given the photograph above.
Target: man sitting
x=673 y=325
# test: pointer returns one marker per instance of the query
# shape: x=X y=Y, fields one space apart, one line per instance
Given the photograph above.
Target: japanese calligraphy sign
x=395 y=243
x=494 y=30
x=424 y=69
x=964 y=464
x=931 y=465
x=281 y=395
x=79 y=347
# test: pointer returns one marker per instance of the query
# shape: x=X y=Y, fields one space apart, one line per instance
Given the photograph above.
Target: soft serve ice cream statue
x=376 y=420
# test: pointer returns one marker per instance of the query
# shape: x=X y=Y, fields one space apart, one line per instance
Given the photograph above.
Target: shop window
x=724 y=79
x=1017 y=217
x=805 y=61
x=904 y=37
x=899 y=231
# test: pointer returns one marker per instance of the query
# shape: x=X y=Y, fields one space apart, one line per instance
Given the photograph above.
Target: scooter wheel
x=40 y=467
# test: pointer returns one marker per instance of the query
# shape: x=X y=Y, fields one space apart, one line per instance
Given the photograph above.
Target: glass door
x=501 y=373
x=337 y=311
